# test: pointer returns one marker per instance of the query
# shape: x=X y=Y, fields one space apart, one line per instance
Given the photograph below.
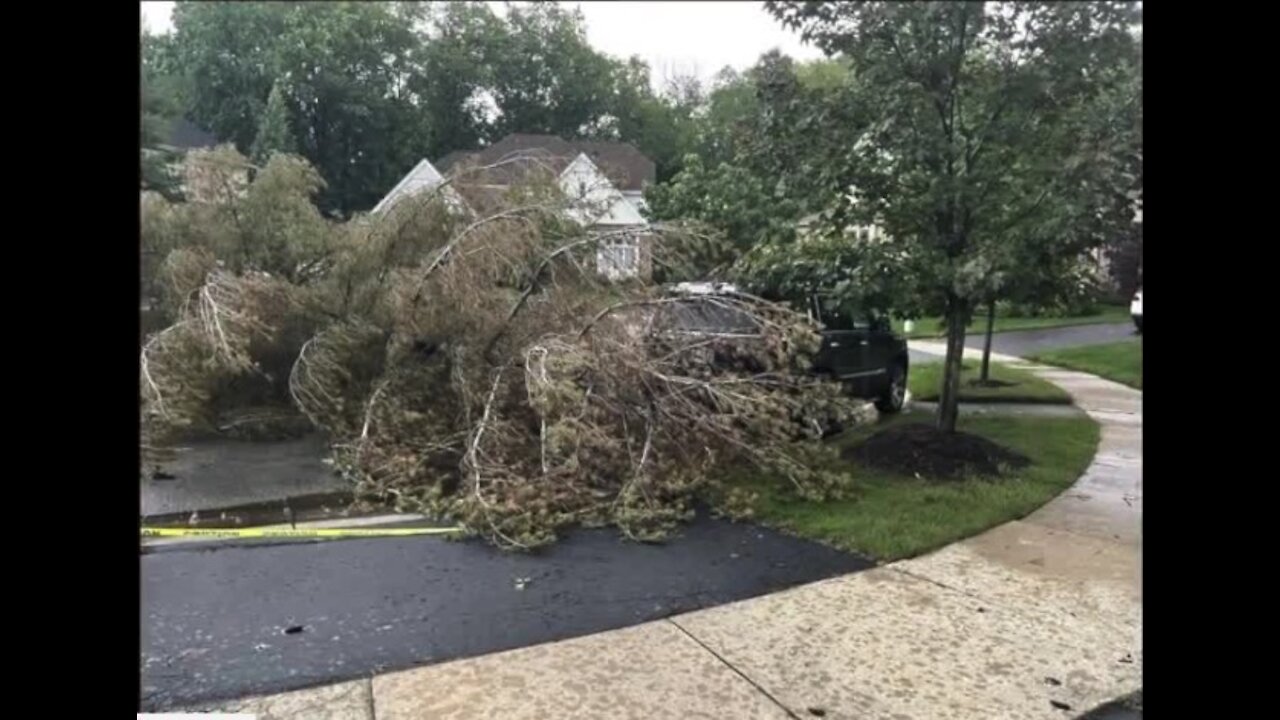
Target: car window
x=707 y=315
x=834 y=316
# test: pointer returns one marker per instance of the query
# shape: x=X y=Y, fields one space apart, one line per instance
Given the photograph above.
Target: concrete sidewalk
x=1036 y=618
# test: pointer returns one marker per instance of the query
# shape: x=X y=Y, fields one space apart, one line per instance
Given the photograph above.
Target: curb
x=387 y=521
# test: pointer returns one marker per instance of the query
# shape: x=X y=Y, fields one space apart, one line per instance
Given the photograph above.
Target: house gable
x=596 y=200
x=422 y=177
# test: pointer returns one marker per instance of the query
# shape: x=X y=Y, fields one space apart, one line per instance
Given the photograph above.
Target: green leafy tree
x=226 y=53
x=661 y=125
x=161 y=105
x=455 y=77
x=274 y=132
x=972 y=130
x=731 y=105
x=777 y=140
x=823 y=74
x=739 y=206
x=546 y=76
x=346 y=67
x=1124 y=212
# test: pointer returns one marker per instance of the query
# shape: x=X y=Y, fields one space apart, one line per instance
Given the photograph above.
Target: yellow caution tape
x=269 y=532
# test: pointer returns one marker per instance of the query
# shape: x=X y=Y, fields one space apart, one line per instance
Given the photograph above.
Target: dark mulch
x=921 y=449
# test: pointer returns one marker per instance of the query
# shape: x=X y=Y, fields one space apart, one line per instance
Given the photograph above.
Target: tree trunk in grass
x=986 y=344
x=949 y=401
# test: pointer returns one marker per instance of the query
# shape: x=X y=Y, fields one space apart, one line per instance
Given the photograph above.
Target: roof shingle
x=186 y=135
x=625 y=166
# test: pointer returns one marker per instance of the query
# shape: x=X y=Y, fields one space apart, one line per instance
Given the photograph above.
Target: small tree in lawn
x=1039 y=272
x=274 y=132
x=975 y=132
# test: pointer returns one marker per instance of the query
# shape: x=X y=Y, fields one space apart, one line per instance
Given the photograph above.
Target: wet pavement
x=219 y=474
x=1007 y=409
x=228 y=621
x=1022 y=343
x=1123 y=709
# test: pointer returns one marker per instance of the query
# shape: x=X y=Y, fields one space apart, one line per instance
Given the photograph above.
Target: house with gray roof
x=605 y=182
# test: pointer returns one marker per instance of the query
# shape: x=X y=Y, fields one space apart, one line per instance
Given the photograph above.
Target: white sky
x=679 y=37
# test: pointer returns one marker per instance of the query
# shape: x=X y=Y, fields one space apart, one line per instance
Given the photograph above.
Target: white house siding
x=421 y=178
x=636 y=198
x=597 y=201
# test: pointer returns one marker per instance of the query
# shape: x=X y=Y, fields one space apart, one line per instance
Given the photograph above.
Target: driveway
x=221 y=473
x=217 y=621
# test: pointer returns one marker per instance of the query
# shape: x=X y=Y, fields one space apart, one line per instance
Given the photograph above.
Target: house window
x=619 y=259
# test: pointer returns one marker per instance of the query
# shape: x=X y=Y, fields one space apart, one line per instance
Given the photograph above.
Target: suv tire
x=895 y=394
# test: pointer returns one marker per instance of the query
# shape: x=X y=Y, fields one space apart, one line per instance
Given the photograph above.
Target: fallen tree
x=474 y=365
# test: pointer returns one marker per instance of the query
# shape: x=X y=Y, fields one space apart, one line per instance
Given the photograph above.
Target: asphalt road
x=224 y=473
x=227 y=621
x=1021 y=343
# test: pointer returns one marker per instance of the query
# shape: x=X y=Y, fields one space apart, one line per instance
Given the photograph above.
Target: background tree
x=275 y=133
x=161 y=106
x=345 y=66
x=547 y=78
x=454 y=78
x=658 y=125
x=753 y=183
x=730 y=201
x=973 y=126
x=366 y=90
x=227 y=55
x=730 y=105
x=1124 y=212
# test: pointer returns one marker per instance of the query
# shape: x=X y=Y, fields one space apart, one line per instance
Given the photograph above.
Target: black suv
x=859 y=350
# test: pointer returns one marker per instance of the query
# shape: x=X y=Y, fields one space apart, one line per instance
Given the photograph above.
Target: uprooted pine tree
x=464 y=356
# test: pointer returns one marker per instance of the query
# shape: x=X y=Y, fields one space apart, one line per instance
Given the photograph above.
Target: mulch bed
x=923 y=450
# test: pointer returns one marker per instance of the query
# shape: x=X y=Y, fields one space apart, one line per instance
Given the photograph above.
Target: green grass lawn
x=893 y=517
x=925 y=382
x=932 y=327
x=1119 y=361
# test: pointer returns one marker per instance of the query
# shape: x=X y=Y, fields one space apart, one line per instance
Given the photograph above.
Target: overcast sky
x=671 y=36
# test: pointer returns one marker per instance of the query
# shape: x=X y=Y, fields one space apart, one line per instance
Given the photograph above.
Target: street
x=216 y=621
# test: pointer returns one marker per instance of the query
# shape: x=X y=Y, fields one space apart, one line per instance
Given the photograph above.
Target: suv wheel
x=896 y=394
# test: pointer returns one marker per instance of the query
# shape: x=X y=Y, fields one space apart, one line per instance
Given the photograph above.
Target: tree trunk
x=949 y=402
x=986 y=344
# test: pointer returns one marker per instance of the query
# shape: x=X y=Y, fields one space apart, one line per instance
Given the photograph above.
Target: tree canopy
x=979 y=139
x=366 y=90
